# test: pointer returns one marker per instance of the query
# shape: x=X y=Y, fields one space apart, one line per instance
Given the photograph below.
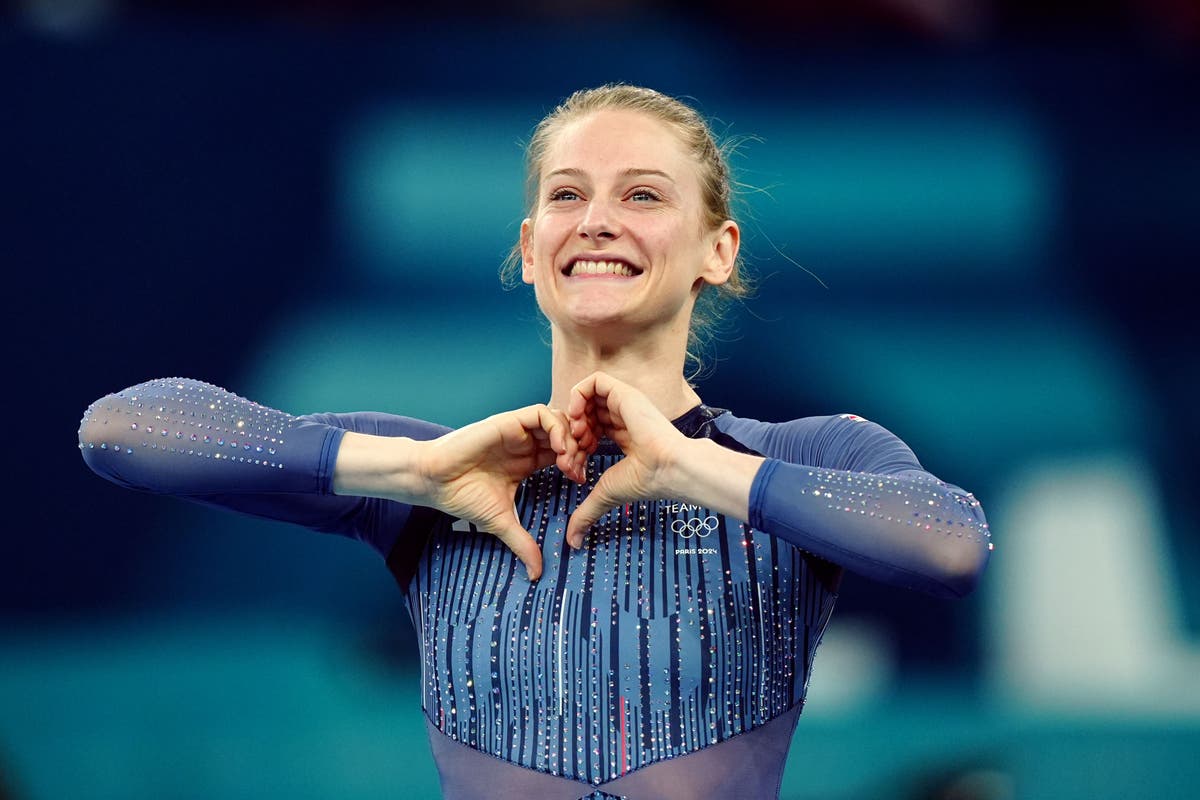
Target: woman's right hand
x=471 y=473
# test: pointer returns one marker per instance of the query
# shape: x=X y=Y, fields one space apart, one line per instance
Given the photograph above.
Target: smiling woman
x=618 y=187
x=680 y=131
x=680 y=562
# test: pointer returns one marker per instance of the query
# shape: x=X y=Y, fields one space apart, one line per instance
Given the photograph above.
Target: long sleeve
x=196 y=441
x=853 y=493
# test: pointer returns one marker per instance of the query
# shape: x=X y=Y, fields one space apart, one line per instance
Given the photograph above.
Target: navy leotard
x=667 y=658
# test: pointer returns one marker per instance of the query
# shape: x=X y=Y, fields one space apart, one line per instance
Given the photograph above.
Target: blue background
x=980 y=234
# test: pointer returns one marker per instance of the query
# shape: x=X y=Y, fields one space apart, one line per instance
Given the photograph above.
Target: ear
x=527 y=250
x=718 y=265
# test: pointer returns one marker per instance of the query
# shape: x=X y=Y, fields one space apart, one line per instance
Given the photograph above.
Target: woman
x=665 y=650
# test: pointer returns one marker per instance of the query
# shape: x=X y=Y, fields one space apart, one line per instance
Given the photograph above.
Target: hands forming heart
x=473 y=472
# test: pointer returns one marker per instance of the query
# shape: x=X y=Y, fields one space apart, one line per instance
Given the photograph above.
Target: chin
x=596 y=312
x=596 y=322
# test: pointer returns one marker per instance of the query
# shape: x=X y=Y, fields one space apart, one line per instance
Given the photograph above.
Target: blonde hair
x=716 y=185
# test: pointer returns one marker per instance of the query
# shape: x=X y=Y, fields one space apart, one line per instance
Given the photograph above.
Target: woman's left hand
x=600 y=405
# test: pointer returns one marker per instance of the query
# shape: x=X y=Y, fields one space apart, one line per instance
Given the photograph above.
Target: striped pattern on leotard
x=674 y=628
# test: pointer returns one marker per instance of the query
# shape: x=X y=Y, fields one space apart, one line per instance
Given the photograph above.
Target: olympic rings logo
x=687 y=528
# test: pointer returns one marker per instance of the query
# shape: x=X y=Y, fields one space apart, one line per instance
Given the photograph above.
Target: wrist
x=408 y=474
x=392 y=468
x=707 y=474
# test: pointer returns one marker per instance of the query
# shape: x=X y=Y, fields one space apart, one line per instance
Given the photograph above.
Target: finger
x=577 y=406
x=536 y=422
x=567 y=466
x=597 y=386
x=584 y=405
x=585 y=434
x=603 y=498
x=572 y=463
x=558 y=430
x=602 y=393
x=548 y=429
x=518 y=540
x=563 y=441
x=581 y=393
x=514 y=426
x=579 y=427
x=583 y=429
x=562 y=431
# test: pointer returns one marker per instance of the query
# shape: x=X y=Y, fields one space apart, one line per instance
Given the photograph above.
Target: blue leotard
x=668 y=658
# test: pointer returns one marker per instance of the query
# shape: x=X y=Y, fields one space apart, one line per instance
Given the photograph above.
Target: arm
x=199 y=442
x=471 y=473
x=865 y=503
x=909 y=529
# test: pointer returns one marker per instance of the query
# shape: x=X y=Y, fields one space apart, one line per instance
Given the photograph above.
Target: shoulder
x=779 y=437
x=836 y=441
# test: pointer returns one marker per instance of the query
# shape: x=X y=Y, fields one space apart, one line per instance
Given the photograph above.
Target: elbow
x=92 y=439
x=967 y=549
x=960 y=569
x=100 y=439
x=92 y=423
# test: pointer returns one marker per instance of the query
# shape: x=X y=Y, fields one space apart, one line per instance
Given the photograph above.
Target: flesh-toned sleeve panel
x=197 y=441
x=853 y=493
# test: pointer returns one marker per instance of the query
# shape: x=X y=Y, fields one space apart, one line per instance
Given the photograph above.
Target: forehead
x=616 y=140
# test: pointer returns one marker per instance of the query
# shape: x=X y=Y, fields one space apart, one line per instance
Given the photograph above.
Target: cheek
x=677 y=240
x=538 y=252
x=552 y=233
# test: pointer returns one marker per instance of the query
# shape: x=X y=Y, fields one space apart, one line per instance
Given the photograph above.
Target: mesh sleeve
x=853 y=493
x=197 y=441
x=909 y=530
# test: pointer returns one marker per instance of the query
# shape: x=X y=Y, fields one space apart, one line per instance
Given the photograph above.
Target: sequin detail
x=681 y=639
x=186 y=418
x=928 y=506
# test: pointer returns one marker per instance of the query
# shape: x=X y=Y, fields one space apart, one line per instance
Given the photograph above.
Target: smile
x=584 y=267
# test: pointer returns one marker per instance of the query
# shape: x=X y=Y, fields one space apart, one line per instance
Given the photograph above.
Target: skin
x=619 y=185
x=615 y=185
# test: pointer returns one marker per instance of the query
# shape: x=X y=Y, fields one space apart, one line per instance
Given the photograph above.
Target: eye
x=642 y=195
x=564 y=194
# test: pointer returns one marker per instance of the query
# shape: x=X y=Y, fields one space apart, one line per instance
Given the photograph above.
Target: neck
x=654 y=366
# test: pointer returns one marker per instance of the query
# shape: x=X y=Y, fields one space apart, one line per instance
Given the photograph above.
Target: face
x=617 y=243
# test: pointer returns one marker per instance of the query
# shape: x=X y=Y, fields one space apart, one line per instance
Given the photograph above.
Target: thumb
x=600 y=501
x=524 y=546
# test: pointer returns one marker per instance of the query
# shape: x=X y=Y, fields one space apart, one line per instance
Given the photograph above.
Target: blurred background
x=972 y=222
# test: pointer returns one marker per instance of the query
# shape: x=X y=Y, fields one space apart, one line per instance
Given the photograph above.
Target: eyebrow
x=575 y=172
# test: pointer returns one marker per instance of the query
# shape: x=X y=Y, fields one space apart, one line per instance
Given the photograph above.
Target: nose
x=598 y=222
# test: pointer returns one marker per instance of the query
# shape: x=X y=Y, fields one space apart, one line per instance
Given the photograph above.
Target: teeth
x=601 y=268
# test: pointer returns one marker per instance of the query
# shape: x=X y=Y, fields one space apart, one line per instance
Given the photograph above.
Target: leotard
x=668 y=658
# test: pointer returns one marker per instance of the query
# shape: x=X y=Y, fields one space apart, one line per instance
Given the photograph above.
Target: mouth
x=599 y=268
